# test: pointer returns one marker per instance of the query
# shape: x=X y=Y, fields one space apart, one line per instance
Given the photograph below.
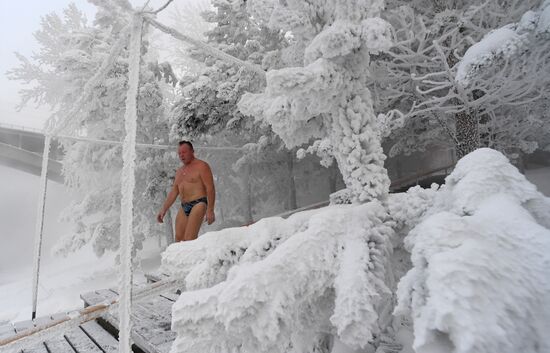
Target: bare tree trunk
x=332 y=177
x=467 y=133
x=291 y=204
x=466 y=122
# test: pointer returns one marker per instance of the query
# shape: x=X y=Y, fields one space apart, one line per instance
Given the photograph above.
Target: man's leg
x=181 y=222
x=194 y=221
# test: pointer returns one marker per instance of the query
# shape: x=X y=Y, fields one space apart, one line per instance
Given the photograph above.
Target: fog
x=19 y=193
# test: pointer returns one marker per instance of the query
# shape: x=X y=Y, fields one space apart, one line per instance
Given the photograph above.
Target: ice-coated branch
x=207 y=262
x=326 y=101
x=426 y=67
x=297 y=281
x=361 y=283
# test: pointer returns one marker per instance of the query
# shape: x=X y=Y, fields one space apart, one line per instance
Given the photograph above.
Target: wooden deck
x=151 y=318
x=89 y=337
x=151 y=333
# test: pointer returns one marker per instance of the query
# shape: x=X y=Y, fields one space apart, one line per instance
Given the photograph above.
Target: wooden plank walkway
x=153 y=277
x=151 y=319
x=89 y=337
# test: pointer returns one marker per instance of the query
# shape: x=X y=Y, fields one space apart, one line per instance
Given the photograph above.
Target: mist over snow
x=19 y=193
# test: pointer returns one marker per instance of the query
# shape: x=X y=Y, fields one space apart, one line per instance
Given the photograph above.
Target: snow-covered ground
x=62 y=280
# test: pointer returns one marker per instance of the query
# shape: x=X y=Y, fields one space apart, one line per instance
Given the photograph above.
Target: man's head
x=186 y=152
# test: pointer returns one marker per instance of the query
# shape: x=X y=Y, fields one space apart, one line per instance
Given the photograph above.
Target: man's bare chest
x=189 y=176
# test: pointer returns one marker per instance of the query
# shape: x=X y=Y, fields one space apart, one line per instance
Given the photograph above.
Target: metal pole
x=40 y=223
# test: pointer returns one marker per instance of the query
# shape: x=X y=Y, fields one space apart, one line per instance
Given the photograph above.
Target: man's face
x=185 y=153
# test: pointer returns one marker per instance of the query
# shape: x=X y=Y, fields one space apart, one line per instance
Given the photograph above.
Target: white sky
x=19 y=19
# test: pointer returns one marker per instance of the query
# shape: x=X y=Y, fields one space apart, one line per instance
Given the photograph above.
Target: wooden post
x=127 y=188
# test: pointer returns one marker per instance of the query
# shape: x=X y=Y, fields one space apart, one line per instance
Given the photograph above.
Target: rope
x=212 y=51
x=111 y=142
x=145 y=145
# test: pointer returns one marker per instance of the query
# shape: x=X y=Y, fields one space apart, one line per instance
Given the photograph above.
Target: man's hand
x=160 y=216
x=210 y=217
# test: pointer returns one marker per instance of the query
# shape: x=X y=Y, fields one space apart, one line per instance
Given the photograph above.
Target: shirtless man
x=194 y=184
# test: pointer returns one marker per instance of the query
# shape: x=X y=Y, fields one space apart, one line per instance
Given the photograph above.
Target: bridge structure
x=21 y=148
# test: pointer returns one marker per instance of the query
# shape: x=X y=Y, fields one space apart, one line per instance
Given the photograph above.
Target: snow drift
x=481 y=259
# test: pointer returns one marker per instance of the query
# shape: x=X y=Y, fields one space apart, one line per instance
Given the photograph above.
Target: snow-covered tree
x=208 y=97
x=70 y=53
x=207 y=111
x=419 y=76
x=320 y=97
x=186 y=18
x=505 y=66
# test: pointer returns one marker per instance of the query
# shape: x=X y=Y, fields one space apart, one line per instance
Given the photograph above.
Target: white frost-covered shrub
x=323 y=273
x=481 y=260
x=206 y=262
x=407 y=208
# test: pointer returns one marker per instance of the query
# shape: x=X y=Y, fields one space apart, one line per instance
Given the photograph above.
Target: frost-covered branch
x=467 y=64
x=335 y=282
x=325 y=98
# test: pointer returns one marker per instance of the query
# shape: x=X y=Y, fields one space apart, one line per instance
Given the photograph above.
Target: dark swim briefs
x=188 y=206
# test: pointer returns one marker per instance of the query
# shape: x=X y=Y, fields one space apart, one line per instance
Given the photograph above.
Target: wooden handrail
x=394 y=184
x=305 y=208
x=418 y=176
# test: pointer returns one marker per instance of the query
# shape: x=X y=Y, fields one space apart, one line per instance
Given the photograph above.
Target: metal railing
x=21 y=128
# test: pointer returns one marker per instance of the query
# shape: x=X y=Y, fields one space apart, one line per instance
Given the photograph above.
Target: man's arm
x=172 y=196
x=208 y=180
